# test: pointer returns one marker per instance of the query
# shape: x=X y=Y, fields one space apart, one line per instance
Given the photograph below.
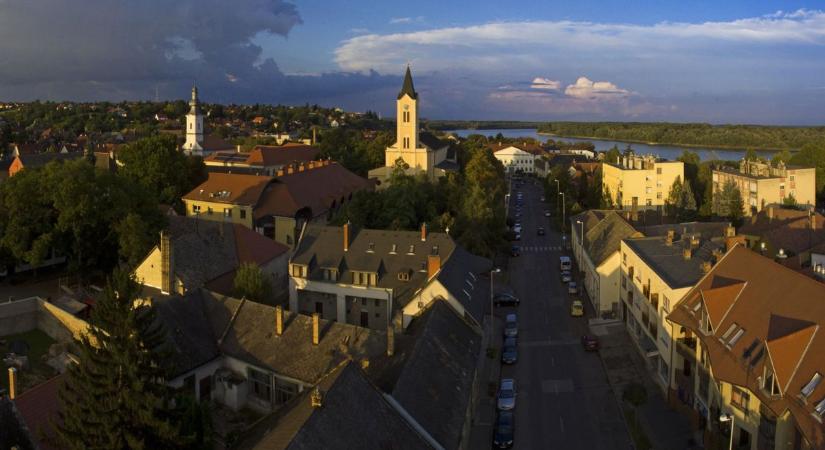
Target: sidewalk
x=489 y=371
x=666 y=428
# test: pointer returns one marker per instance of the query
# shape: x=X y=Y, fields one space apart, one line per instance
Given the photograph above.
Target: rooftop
x=668 y=260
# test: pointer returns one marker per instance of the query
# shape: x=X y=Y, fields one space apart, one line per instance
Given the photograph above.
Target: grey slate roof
x=461 y=277
x=354 y=414
x=41 y=159
x=435 y=385
x=251 y=337
x=706 y=230
x=431 y=141
x=189 y=333
x=201 y=251
x=324 y=247
x=667 y=260
x=603 y=233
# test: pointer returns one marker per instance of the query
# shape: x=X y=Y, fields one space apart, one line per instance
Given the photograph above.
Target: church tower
x=194 y=126
x=407 y=115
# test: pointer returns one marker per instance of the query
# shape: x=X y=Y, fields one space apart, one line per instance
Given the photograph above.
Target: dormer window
x=820 y=408
x=809 y=388
x=435 y=250
x=769 y=383
x=394 y=249
x=411 y=250
x=371 y=247
x=404 y=275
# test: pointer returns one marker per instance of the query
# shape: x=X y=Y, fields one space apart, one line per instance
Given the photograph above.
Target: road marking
x=561 y=423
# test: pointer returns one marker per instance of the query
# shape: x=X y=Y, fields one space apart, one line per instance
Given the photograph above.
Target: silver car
x=507 y=394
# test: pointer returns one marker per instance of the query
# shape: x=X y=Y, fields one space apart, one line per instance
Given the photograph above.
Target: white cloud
x=583 y=88
x=501 y=46
x=400 y=20
x=545 y=83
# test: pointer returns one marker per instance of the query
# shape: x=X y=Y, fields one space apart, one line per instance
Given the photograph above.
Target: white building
x=518 y=158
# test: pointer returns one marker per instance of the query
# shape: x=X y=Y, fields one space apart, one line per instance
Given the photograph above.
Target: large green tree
x=730 y=202
x=116 y=396
x=250 y=282
x=157 y=164
x=813 y=155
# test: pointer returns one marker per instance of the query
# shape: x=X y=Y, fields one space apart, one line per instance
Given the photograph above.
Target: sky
x=732 y=61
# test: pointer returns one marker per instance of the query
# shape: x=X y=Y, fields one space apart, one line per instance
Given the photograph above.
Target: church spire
x=407 y=88
x=193 y=104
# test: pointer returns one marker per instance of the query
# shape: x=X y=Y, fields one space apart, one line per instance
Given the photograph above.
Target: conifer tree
x=116 y=396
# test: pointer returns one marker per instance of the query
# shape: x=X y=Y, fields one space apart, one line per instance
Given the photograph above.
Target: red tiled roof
x=240 y=189
x=39 y=407
x=268 y=156
x=254 y=247
x=718 y=301
x=787 y=341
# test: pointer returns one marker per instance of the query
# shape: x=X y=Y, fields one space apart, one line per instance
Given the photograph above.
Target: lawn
x=39 y=343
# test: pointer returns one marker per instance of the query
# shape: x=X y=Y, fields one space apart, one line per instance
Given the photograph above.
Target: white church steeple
x=194 y=126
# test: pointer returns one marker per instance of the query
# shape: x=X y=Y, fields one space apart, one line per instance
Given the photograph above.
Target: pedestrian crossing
x=540 y=248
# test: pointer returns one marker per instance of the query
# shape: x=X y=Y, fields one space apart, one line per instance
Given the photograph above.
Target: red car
x=590 y=343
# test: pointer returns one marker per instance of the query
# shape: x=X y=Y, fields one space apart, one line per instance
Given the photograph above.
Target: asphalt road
x=564 y=401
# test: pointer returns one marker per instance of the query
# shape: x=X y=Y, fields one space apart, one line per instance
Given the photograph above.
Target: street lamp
x=581 y=242
x=558 y=191
x=563 y=212
x=732 y=419
x=492 y=311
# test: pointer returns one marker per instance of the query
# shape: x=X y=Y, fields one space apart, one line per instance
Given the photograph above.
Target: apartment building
x=762 y=184
x=749 y=354
x=656 y=272
x=640 y=182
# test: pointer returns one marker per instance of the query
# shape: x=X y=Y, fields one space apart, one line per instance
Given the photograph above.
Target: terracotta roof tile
x=718 y=301
x=787 y=341
x=230 y=188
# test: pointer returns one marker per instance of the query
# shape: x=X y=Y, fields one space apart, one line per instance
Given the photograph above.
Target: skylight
x=820 y=408
x=809 y=388
x=730 y=330
x=736 y=337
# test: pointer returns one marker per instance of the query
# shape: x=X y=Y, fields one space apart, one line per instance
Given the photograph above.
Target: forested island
x=757 y=137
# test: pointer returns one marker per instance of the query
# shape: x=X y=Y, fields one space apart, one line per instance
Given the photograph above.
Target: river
x=665 y=151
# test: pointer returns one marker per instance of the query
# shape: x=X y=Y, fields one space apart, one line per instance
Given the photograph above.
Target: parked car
x=566 y=276
x=505 y=430
x=576 y=308
x=507 y=394
x=546 y=213
x=590 y=343
x=540 y=231
x=509 y=351
x=543 y=199
x=515 y=251
x=511 y=326
x=517 y=237
x=572 y=288
x=505 y=298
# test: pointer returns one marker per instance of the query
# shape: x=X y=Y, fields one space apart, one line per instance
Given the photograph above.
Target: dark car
x=505 y=298
x=511 y=325
x=515 y=250
x=540 y=231
x=505 y=430
x=509 y=352
x=590 y=343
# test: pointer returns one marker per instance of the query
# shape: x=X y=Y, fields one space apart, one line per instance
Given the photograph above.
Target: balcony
x=654 y=301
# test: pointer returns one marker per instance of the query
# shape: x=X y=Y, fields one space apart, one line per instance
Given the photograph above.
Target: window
x=658 y=171
x=733 y=326
x=227 y=212
x=820 y=408
x=658 y=195
x=739 y=398
x=363 y=302
x=769 y=384
x=209 y=210
x=809 y=388
x=196 y=209
x=736 y=338
x=260 y=384
x=243 y=214
x=377 y=302
x=284 y=392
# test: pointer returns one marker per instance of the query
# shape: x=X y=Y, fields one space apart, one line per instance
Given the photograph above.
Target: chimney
x=301 y=167
x=732 y=241
x=12 y=382
x=279 y=320
x=433 y=265
x=694 y=241
x=670 y=235
x=316 y=328
x=289 y=170
x=346 y=236
x=706 y=266
x=167 y=273
x=390 y=340
x=770 y=212
x=687 y=252
x=424 y=232
x=730 y=231
x=316 y=398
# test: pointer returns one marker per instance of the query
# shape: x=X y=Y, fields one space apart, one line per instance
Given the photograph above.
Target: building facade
x=640 y=182
x=762 y=184
x=519 y=159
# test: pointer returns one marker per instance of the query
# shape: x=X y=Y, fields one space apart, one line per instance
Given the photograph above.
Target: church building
x=418 y=151
x=198 y=143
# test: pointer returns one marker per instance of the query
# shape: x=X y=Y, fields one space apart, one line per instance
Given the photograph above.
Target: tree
x=784 y=157
x=157 y=164
x=116 y=396
x=613 y=155
x=813 y=155
x=687 y=205
x=673 y=203
x=250 y=282
x=790 y=201
x=730 y=202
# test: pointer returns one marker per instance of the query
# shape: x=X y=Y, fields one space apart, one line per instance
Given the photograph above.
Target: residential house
x=39 y=160
x=749 y=350
x=762 y=184
x=262 y=159
x=195 y=253
x=640 y=182
x=518 y=158
x=656 y=272
x=784 y=233
x=381 y=278
x=276 y=207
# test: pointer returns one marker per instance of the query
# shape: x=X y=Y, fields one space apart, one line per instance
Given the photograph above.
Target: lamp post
x=732 y=419
x=581 y=242
x=563 y=213
x=492 y=311
x=558 y=191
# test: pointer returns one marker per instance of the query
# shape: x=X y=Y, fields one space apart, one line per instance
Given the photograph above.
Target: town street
x=564 y=401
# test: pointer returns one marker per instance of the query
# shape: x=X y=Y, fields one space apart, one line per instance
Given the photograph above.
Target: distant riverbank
x=687 y=146
x=667 y=151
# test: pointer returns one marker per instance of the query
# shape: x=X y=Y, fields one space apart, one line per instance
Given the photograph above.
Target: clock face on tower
x=406 y=107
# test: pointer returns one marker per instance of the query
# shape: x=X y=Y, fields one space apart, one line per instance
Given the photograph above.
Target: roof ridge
x=231 y=321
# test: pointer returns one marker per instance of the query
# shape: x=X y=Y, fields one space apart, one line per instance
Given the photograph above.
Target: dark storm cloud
x=132 y=49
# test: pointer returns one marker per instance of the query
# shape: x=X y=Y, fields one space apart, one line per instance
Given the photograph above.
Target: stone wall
x=34 y=313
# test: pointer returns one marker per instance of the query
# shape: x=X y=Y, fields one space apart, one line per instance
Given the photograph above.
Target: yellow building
x=762 y=184
x=640 y=182
x=419 y=151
